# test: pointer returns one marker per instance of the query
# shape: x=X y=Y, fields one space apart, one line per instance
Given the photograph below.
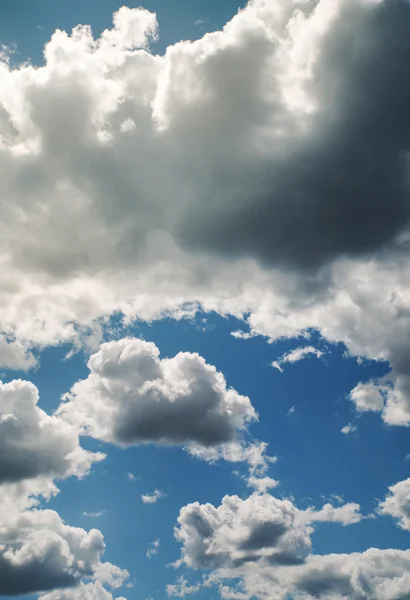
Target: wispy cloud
x=153 y=548
x=152 y=498
x=296 y=355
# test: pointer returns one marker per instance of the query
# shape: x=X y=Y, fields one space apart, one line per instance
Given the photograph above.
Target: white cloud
x=375 y=574
x=133 y=396
x=397 y=503
x=93 y=514
x=40 y=552
x=15 y=356
x=296 y=355
x=181 y=588
x=347 y=429
x=152 y=498
x=368 y=397
x=261 y=529
x=85 y=591
x=34 y=444
x=295 y=171
x=153 y=548
x=262 y=484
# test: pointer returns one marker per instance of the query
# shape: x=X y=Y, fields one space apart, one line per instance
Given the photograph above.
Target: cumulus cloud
x=133 y=396
x=261 y=529
x=34 y=444
x=85 y=591
x=303 y=170
x=15 y=356
x=296 y=355
x=368 y=397
x=397 y=503
x=40 y=552
x=376 y=574
x=152 y=498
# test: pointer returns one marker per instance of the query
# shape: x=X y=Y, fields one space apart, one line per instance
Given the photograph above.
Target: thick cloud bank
x=133 y=396
x=259 y=170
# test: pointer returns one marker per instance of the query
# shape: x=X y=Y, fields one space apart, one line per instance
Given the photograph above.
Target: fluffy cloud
x=375 y=574
x=34 y=444
x=15 y=356
x=133 y=396
x=307 y=153
x=368 y=397
x=261 y=529
x=296 y=355
x=40 y=552
x=85 y=591
x=397 y=503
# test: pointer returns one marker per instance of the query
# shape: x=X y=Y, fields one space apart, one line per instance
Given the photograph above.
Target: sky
x=205 y=300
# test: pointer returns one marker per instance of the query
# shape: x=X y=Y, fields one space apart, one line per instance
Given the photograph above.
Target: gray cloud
x=34 y=444
x=260 y=530
x=133 y=396
x=335 y=184
x=39 y=552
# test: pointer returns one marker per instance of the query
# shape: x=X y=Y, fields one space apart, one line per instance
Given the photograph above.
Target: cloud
x=252 y=453
x=181 y=588
x=261 y=529
x=132 y=396
x=378 y=574
x=40 y=552
x=153 y=548
x=34 y=444
x=85 y=591
x=347 y=429
x=262 y=484
x=15 y=356
x=296 y=355
x=93 y=514
x=397 y=504
x=307 y=153
x=152 y=498
x=367 y=397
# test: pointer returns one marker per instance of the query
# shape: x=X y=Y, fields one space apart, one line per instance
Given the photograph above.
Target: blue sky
x=242 y=200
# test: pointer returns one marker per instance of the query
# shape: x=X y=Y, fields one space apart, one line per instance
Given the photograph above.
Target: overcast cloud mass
x=259 y=172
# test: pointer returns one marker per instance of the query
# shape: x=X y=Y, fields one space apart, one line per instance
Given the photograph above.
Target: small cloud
x=243 y=335
x=132 y=477
x=351 y=428
x=407 y=457
x=262 y=484
x=152 y=498
x=199 y=22
x=295 y=356
x=93 y=514
x=40 y=27
x=181 y=588
x=153 y=548
x=291 y=411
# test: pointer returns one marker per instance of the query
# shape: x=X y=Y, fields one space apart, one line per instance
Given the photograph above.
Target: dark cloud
x=132 y=397
x=339 y=186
